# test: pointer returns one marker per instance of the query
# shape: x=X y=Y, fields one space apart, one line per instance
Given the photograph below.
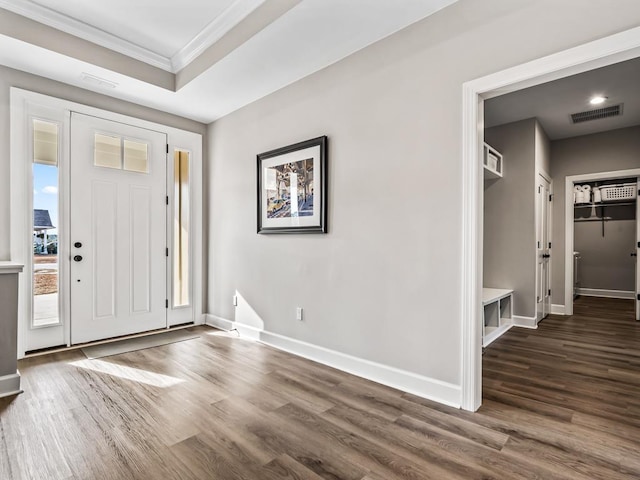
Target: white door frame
x=21 y=102
x=569 y=215
x=599 y=53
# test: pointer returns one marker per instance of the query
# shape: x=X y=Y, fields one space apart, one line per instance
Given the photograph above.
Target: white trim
x=403 y=380
x=218 y=322
x=191 y=142
x=600 y=292
x=598 y=53
x=21 y=102
x=211 y=33
x=526 y=322
x=214 y=31
x=557 y=309
x=10 y=267
x=569 y=224
x=85 y=31
x=472 y=248
x=10 y=385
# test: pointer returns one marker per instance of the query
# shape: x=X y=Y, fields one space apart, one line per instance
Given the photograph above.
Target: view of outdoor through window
x=45 y=223
x=181 y=230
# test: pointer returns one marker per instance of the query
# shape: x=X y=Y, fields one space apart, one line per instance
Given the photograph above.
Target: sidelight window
x=46 y=150
x=182 y=229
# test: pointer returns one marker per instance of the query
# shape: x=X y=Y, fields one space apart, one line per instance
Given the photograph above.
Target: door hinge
x=638 y=244
x=551 y=197
x=539 y=189
x=167 y=252
x=167 y=148
x=166 y=303
x=538 y=244
x=639 y=296
x=167 y=199
x=549 y=292
x=549 y=244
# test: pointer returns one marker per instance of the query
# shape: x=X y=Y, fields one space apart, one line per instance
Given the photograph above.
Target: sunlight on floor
x=229 y=333
x=128 y=373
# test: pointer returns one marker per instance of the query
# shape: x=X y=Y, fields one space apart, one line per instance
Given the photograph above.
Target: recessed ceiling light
x=597 y=100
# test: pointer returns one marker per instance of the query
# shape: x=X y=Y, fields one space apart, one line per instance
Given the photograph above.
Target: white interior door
x=543 y=249
x=637 y=252
x=118 y=229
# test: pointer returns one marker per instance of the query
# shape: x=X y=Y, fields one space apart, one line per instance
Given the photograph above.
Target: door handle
x=77 y=258
x=634 y=254
x=546 y=255
x=77 y=244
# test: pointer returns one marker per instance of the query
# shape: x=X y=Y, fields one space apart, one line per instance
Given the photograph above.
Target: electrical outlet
x=299 y=313
x=235 y=300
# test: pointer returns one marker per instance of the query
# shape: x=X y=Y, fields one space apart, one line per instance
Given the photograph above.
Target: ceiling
x=200 y=59
x=552 y=103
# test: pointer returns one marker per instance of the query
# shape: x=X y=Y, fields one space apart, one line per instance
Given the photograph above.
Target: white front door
x=117 y=229
x=543 y=251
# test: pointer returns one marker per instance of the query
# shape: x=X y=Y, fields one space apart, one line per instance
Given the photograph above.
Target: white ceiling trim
x=214 y=31
x=87 y=32
x=234 y=14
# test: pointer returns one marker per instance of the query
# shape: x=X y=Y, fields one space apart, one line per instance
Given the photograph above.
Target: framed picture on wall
x=292 y=188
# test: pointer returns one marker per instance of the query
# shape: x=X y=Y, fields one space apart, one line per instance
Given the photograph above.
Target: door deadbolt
x=78 y=258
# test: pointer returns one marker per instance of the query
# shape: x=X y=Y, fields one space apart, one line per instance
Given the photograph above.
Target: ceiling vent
x=597 y=114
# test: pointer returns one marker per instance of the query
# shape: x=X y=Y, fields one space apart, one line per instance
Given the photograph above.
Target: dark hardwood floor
x=561 y=402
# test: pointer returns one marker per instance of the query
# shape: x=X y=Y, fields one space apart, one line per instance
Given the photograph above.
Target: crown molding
x=214 y=31
x=82 y=30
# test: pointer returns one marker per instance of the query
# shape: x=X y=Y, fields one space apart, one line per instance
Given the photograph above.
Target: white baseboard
x=557 y=309
x=599 y=292
x=425 y=387
x=525 y=322
x=218 y=322
x=10 y=385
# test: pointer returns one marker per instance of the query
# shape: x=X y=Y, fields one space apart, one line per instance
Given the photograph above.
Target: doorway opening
x=608 y=51
x=602 y=235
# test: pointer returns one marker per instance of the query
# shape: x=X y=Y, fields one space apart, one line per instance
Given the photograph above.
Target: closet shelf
x=599 y=219
x=603 y=204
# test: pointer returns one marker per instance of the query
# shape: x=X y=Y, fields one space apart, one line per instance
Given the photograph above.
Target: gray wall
x=602 y=152
x=606 y=261
x=13 y=78
x=543 y=151
x=8 y=323
x=509 y=216
x=384 y=283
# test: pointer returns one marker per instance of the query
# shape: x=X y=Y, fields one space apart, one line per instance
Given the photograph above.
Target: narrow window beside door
x=181 y=217
x=45 y=223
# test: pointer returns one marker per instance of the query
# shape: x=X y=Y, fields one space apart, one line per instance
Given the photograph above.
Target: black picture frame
x=292 y=188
